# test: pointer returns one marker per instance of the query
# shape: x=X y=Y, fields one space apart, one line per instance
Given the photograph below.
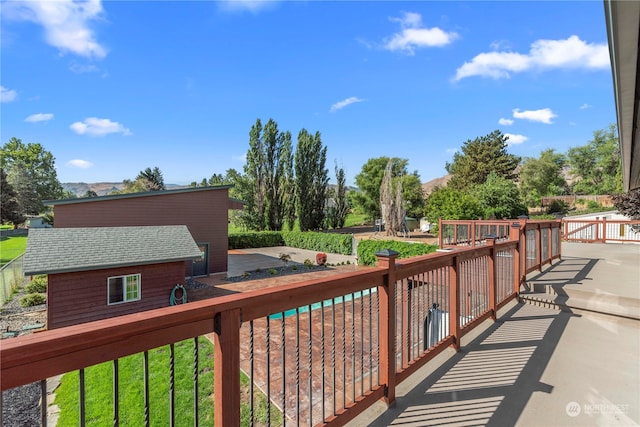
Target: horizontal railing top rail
x=29 y=358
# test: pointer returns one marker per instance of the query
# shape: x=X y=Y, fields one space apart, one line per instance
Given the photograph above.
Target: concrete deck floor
x=538 y=366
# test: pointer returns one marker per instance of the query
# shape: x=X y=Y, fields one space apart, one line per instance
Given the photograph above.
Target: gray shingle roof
x=62 y=250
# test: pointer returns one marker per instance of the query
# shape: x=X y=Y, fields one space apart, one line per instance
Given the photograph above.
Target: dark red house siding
x=82 y=296
x=203 y=212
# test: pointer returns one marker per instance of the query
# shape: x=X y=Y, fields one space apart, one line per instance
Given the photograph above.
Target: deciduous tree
x=449 y=203
x=499 y=198
x=35 y=164
x=391 y=201
x=311 y=179
x=597 y=166
x=369 y=180
x=542 y=176
x=10 y=210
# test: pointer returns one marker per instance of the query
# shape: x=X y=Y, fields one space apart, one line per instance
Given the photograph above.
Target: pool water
x=325 y=303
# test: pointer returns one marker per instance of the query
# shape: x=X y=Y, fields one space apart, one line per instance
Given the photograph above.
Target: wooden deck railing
x=539 y=240
x=321 y=350
x=600 y=230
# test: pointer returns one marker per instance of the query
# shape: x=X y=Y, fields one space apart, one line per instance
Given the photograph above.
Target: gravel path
x=21 y=405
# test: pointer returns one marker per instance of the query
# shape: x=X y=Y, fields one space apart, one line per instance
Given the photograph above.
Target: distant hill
x=427 y=187
x=102 y=188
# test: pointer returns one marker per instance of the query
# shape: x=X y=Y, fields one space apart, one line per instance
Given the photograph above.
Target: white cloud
x=241 y=158
x=253 y=6
x=585 y=106
x=94 y=126
x=40 y=117
x=341 y=104
x=66 y=23
x=505 y=122
x=413 y=35
x=7 y=95
x=515 y=139
x=83 y=68
x=451 y=150
x=543 y=54
x=80 y=164
x=544 y=115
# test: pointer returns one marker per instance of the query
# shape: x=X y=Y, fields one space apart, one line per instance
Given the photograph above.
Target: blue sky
x=113 y=87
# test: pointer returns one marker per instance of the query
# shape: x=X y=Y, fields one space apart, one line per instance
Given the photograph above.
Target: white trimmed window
x=123 y=289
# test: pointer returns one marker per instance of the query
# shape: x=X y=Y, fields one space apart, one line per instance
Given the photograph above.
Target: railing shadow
x=568 y=271
x=490 y=381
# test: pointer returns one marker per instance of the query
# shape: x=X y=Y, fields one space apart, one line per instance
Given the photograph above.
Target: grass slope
x=99 y=390
x=12 y=247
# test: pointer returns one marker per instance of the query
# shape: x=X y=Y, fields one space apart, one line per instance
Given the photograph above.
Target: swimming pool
x=325 y=303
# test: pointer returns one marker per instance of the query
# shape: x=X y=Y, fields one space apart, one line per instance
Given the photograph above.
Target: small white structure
x=37 y=222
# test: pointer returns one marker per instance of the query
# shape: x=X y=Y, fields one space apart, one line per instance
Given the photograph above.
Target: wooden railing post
x=523 y=249
x=454 y=302
x=473 y=233
x=604 y=229
x=226 y=365
x=491 y=241
x=387 y=339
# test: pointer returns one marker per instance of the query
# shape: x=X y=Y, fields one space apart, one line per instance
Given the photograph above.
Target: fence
x=321 y=351
x=539 y=240
x=601 y=230
x=11 y=276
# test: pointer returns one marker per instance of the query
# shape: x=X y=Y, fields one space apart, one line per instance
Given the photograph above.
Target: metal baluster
x=353 y=349
x=251 y=402
x=268 y=379
x=43 y=399
x=284 y=382
x=297 y=366
x=371 y=339
x=145 y=368
x=310 y=350
x=195 y=382
x=322 y=358
x=116 y=398
x=333 y=350
x=82 y=397
x=344 y=356
x=362 y=343
x=172 y=388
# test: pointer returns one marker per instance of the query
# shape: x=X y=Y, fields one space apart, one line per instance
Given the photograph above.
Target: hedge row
x=322 y=242
x=368 y=248
x=255 y=239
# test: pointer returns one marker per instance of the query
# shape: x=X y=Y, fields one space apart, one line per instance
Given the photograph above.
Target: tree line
x=282 y=185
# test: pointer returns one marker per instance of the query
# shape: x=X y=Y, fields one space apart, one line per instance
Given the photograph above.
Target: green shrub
x=322 y=242
x=256 y=239
x=273 y=271
x=32 y=299
x=308 y=263
x=38 y=285
x=592 y=204
x=368 y=248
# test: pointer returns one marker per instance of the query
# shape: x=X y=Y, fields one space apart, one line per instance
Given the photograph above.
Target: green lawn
x=12 y=247
x=355 y=219
x=99 y=398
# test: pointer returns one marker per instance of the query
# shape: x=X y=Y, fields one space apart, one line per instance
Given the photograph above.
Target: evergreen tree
x=480 y=157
